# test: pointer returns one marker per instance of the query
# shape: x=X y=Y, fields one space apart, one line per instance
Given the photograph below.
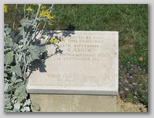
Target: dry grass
x=130 y=107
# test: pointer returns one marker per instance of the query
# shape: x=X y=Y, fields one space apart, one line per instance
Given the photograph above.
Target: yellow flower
x=43 y=7
x=29 y=9
x=54 y=40
x=51 y=40
x=50 y=17
x=46 y=14
x=5 y=9
x=42 y=13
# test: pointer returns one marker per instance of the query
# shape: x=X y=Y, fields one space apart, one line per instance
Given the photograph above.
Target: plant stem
x=15 y=16
x=38 y=10
x=24 y=10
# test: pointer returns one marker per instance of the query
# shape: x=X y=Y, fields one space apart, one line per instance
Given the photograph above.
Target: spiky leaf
x=36 y=106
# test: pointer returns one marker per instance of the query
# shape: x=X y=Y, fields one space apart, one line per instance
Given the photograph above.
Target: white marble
x=88 y=65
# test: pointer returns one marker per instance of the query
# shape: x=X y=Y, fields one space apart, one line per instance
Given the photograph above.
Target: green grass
x=131 y=21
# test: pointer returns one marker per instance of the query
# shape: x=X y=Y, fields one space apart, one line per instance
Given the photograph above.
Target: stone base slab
x=74 y=103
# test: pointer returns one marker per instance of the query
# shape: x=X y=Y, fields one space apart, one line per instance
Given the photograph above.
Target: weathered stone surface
x=74 y=103
x=88 y=65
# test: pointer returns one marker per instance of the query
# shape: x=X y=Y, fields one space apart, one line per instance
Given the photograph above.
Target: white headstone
x=87 y=63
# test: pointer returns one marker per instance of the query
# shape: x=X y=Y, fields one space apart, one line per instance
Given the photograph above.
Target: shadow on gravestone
x=49 y=34
x=39 y=65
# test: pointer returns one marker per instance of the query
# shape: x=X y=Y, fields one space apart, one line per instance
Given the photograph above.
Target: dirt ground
x=130 y=107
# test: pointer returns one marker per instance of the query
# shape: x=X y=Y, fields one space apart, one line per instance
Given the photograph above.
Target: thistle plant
x=20 y=50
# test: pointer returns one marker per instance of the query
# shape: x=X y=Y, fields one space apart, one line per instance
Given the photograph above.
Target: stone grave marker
x=82 y=72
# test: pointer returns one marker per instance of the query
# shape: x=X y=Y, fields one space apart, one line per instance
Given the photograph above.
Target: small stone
x=141 y=107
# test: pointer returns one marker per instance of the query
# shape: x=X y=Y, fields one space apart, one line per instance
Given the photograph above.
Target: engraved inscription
x=88 y=61
x=80 y=50
x=84 y=48
x=79 y=80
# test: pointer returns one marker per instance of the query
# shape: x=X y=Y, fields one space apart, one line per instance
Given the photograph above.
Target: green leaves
x=7 y=104
x=8 y=58
x=34 y=55
x=8 y=39
x=17 y=106
x=6 y=86
x=21 y=30
x=8 y=42
x=17 y=70
x=20 y=89
x=18 y=80
x=7 y=30
x=26 y=22
x=36 y=51
x=20 y=50
x=26 y=109
x=28 y=102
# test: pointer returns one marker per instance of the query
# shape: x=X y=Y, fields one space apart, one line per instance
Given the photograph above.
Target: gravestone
x=81 y=74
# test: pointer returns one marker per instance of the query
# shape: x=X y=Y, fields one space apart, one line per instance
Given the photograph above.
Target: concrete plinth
x=74 y=103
